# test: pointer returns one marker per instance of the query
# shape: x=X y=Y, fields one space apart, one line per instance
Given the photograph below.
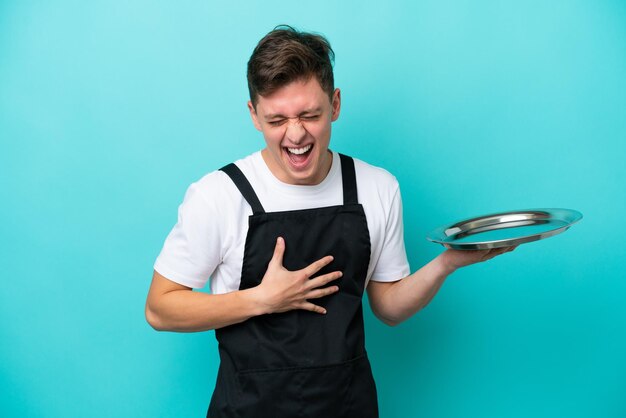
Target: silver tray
x=504 y=229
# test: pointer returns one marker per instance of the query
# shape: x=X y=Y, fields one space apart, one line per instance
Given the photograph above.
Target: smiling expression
x=296 y=122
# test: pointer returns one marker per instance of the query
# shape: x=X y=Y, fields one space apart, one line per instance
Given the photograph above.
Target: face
x=295 y=121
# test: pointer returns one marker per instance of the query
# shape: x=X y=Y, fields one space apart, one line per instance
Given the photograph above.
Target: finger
x=324 y=279
x=505 y=250
x=487 y=254
x=316 y=266
x=308 y=306
x=320 y=293
x=279 y=251
x=497 y=251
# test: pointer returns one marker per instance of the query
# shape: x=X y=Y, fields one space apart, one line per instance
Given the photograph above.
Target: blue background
x=109 y=110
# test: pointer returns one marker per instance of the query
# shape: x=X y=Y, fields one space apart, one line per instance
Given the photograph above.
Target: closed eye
x=279 y=122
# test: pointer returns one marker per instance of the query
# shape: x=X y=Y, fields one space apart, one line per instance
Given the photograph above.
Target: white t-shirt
x=208 y=240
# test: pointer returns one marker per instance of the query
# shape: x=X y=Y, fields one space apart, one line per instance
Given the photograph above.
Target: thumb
x=279 y=251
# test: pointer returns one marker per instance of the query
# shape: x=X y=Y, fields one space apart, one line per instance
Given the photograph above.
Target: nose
x=295 y=131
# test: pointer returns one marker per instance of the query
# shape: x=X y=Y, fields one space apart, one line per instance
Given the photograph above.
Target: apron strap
x=348 y=177
x=244 y=187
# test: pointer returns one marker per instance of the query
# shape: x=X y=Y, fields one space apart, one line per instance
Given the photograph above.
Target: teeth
x=299 y=151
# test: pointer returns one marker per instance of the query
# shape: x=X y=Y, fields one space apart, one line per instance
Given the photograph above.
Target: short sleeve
x=191 y=251
x=392 y=264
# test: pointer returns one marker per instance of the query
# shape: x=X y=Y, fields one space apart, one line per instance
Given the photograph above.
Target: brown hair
x=285 y=55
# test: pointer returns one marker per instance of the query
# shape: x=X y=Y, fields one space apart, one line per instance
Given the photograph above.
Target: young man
x=291 y=237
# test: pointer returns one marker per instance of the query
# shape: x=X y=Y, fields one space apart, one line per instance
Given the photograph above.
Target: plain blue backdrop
x=110 y=109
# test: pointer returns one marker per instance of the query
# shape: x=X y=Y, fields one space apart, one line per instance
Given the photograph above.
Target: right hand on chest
x=282 y=290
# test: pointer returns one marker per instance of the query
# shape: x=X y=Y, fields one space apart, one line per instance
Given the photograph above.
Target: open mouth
x=299 y=156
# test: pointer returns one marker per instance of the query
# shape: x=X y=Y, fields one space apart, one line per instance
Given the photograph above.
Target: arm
x=394 y=302
x=174 y=307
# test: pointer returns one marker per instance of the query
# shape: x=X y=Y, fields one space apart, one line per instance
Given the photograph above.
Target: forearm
x=188 y=311
x=174 y=307
x=402 y=299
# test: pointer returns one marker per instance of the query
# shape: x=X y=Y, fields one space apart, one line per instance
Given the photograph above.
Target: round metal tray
x=504 y=229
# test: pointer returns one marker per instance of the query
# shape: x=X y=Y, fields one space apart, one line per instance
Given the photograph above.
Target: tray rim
x=489 y=244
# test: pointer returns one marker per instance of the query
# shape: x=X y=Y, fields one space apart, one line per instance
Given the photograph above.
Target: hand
x=282 y=290
x=455 y=259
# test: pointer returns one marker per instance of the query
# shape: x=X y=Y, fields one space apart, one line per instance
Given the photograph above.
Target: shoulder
x=217 y=190
x=373 y=177
x=210 y=187
x=218 y=182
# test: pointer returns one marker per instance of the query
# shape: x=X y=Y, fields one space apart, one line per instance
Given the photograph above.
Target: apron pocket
x=343 y=390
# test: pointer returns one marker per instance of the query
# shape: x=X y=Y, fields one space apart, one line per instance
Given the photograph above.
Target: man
x=291 y=236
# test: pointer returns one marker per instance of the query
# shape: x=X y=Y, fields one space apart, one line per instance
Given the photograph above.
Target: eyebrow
x=304 y=112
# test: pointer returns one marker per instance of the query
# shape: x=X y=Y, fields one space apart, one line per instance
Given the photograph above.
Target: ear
x=336 y=105
x=253 y=115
